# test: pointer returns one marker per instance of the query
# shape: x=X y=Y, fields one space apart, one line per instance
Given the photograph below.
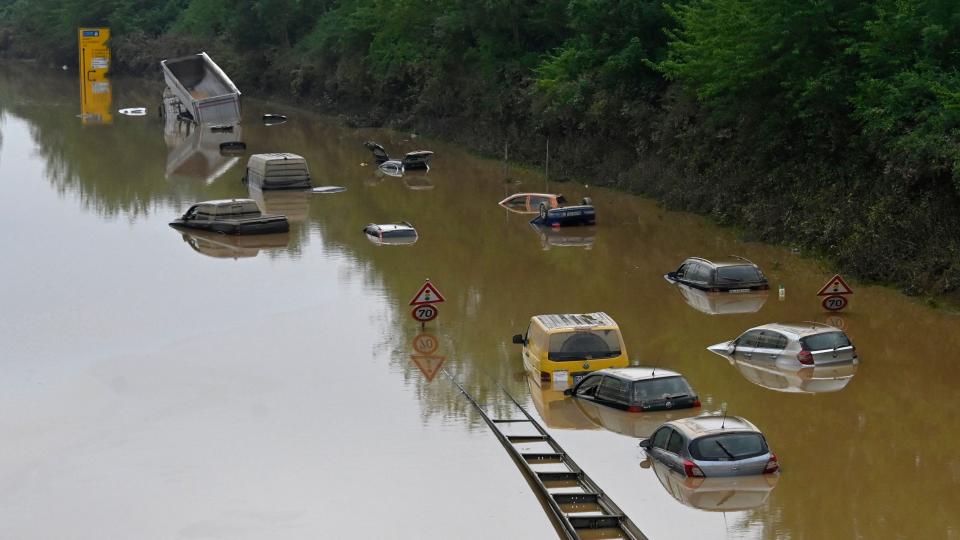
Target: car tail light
x=691 y=469
x=805 y=358
x=772 y=465
x=544 y=376
x=635 y=408
x=696 y=402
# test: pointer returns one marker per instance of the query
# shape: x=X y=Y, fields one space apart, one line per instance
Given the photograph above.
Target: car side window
x=588 y=388
x=535 y=202
x=772 y=340
x=660 y=437
x=682 y=270
x=675 y=444
x=613 y=389
x=748 y=339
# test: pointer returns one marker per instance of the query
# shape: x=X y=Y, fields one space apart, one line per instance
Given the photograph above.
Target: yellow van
x=564 y=348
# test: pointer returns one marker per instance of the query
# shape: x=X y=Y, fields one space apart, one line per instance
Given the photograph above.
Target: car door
x=658 y=444
x=746 y=345
x=770 y=345
x=672 y=454
x=613 y=392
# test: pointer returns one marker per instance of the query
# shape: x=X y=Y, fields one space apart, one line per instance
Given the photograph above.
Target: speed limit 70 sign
x=424 y=312
x=834 y=303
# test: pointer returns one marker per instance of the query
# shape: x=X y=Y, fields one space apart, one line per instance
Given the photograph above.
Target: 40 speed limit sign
x=424 y=312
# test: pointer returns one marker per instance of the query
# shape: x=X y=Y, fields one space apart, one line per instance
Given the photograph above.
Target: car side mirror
x=518 y=339
x=645 y=444
x=568 y=392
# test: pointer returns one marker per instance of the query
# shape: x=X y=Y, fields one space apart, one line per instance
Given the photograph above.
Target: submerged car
x=790 y=345
x=636 y=389
x=581 y=214
x=564 y=348
x=418 y=159
x=391 y=233
x=231 y=216
x=277 y=171
x=708 y=446
x=529 y=203
x=735 y=275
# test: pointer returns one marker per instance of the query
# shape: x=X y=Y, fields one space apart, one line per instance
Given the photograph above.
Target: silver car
x=790 y=345
x=709 y=446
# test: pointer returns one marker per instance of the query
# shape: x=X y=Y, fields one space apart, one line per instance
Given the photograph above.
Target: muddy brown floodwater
x=157 y=384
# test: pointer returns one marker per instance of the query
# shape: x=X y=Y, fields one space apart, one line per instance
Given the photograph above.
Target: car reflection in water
x=195 y=150
x=417 y=180
x=801 y=380
x=631 y=424
x=231 y=246
x=293 y=203
x=557 y=410
x=722 y=303
x=565 y=236
x=718 y=494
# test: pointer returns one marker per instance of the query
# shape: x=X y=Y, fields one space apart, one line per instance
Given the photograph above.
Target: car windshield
x=661 y=388
x=826 y=340
x=733 y=274
x=728 y=446
x=584 y=344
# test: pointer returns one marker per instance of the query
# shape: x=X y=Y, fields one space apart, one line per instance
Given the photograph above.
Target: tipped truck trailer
x=205 y=93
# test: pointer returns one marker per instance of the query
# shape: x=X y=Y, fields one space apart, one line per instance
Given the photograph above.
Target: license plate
x=739 y=290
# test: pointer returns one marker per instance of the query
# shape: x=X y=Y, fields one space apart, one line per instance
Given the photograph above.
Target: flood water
x=156 y=384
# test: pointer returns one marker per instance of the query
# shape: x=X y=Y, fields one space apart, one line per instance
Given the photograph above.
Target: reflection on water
x=293 y=203
x=195 y=150
x=232 y=246
x=722 y=303
x=95 y=298
x=631 y=424
x=565 y=236
x=727 y=494
x=801 y=379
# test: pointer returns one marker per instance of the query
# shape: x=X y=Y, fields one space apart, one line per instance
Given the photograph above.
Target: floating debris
x=222 y=128
x=232 y=148
x=134 y=111
x=272 y=119
x=329 y=189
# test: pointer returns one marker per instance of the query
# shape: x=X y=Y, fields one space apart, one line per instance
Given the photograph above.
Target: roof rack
x=815 y=324
x=742 y=259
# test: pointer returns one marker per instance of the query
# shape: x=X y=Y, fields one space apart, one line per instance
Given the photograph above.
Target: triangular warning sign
x=428 y=294
x=836 y=285
x=429 y=365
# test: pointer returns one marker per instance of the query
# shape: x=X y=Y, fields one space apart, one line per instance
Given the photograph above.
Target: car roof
x=220 y=202
x=575 y=320
x=390 y=226
x=799 y=330
x=639 y=373
x=733 y=261
x=700 y=426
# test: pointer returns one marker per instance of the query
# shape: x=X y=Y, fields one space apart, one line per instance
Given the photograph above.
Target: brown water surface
x=160 y=384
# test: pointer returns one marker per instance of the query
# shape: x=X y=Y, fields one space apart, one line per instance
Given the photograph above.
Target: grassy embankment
x=829 y=126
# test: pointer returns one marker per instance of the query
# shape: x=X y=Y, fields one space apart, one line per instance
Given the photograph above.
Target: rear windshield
x=827 y=340
x=667 y=387
x=587 y=344
x=728 y=446
x=736 y=274
x=400 y=233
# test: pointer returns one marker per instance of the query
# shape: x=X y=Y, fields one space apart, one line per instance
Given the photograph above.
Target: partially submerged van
x=564 y=348
x=277 y=171
x=231 y=216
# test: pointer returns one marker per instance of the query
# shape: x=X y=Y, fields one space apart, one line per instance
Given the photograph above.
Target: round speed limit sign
x=834 y=303
x=424 y=312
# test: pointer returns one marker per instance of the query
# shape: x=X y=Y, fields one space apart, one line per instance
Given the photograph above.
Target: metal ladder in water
x=577 y=505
